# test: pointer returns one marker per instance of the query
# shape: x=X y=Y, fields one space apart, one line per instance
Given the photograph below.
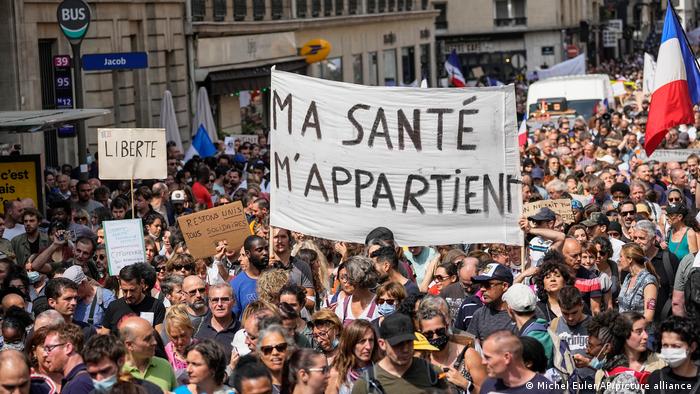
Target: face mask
x=440 y=342
x=596 y=362
x=674 y=357
x=335 y=343
x=615 y=204
x=33 y=276
x=104 y=385
x=386 y=309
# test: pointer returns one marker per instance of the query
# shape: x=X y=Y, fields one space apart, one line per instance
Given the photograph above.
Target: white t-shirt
x=344 y=310
x=538 y=247
x=13 y=232
x=617 y=248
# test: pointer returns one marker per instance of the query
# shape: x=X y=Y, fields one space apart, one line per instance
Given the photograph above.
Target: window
x=390 y=67
x=441 y=20
x=408 y=62
x=301 y=8
x=277 y=9
x=219 y=10
x=239 y=10
x=258 y=9
x=425 y=66
x=332 y=69
x=198 y=10
x=373 y=69
x=357 y=69
x=352 y=7
x=509 y=12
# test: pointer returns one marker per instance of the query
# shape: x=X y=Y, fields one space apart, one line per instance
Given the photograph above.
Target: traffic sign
x=74 y=19
x=115 y=61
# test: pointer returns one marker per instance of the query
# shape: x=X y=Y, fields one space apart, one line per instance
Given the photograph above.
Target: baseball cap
x=596 y=219
x=397 y=328
x=520 y=298
x=75 y=274
x=494 y=271
x=642 y=208
x=543 y=215
x=576 y=204
x=672 y=209
x=177 y=196
x=421 y=343
x=537 y=173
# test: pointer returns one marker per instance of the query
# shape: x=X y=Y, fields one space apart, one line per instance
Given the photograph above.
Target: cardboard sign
x=668 y=155
x=132 y=153
x=436 y=166
x=561 y=207
x=249 y=138
x=124 y=243
x=204 y=229
x=20 y=177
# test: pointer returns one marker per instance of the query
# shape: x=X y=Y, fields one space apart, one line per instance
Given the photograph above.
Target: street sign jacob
x=74 y=19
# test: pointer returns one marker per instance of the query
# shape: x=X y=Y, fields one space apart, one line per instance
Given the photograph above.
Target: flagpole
x=687 y=42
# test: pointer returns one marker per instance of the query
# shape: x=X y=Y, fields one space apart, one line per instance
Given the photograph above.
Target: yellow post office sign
x=315 y=50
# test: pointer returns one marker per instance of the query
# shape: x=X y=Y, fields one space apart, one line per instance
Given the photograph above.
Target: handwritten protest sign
x=132 y=153
x=124 y=243
x=20 y=177
x=436 y=166
x=667 y=155
x=561 y=207
x=204 y=229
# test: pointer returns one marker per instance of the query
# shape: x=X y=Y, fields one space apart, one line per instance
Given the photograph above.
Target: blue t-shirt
x=244 y=291
x=82 y=310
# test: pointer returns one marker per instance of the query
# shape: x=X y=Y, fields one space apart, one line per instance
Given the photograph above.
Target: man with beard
x=387 y=263
x=32 y=240
x=256 y=251
x=195 y=294
x=494 y=279
x=134 y=302
x=467 y=269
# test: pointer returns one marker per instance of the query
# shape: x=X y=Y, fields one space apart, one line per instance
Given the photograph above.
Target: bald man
x=13 y=299
x=14 y=373
x=586 y=281
x=140 y=341
x=48 y=318
x=196 y=297
x=503 y=358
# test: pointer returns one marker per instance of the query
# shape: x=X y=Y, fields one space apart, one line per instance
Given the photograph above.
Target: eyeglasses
x=674 y=199
x=627 y=213
x=488 y=285
x=431 y=334
x=160 y=268
x=324 y=370
x=280 y=348
x=389 y=301
x=441 y=278
x=219 y=300
x=188 y=267
x=49 y=348
x=194 y=292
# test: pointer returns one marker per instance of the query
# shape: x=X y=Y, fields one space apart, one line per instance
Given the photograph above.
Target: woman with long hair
x=640 y=288
x=319 y=272
x=550 y=278
x=344 y=288
x=358 y=350
x=308 y=372
x=445 y=275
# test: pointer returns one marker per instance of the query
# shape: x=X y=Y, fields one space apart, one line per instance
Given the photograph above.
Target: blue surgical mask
x=104 y=385
x=33 y=276
x=596 y=363
x=385 y=309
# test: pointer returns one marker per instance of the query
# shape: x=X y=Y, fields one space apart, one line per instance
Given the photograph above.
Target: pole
x=133 y=213
x=78 y=81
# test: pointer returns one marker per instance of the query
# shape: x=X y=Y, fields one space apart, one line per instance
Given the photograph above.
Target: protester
x=179 y=329
x=273 y=348
x=494 y=279
x=140 y=341
x=205 y=368
x=62 y=347
x=678 y=346
x=358 y=351
x=308 y=372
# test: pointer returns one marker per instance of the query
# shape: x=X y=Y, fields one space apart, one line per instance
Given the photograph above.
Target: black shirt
x=672 y=383
x=666 y=280
x=223 y=337
x=119 y=308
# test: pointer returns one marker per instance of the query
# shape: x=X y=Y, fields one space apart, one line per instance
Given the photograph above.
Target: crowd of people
x=605 y=303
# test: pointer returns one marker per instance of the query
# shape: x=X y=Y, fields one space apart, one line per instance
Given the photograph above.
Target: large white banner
x=132 y=153
x=436 y=166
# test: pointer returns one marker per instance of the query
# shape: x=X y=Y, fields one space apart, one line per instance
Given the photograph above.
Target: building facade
x=504 y=38
x=27 y=73
x=236 y=42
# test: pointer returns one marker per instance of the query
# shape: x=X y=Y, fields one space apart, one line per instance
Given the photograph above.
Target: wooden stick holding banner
x=132 y=196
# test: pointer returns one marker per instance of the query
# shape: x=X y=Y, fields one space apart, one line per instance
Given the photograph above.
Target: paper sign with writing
x=204 y=229
x=132 y=153
x=667 y=155
x=20 y=177
x=124 y=243
x=436 y=166
x=561 y=207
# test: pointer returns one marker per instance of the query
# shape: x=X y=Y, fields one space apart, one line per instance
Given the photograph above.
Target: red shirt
x=202 y=194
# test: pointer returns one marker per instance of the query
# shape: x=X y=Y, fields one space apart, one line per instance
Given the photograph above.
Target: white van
x=581 y=93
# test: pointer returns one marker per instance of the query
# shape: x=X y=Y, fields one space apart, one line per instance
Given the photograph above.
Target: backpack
x=692 y=294
x=563 y=364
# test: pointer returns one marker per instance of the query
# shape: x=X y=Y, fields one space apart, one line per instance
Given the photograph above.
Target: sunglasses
x=389 y=301
x=431 y=334
x=441 y=278
x=674 y=199
x=194 y=292
x=280 y=348
x=488 y=285
x=161 y=268
x=188 y=267
x=219 y=300
x=627 y=213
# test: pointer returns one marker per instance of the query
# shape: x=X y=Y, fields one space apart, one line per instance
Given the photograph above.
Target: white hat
x=607 y=158
x=75 y=273
x=520 y=298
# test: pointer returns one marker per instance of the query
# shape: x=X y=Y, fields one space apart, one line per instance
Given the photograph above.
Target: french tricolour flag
x=454 y=70
x=676 y=84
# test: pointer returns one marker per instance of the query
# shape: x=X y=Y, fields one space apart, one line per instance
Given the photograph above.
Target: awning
x=31 y=121
x=253 y=78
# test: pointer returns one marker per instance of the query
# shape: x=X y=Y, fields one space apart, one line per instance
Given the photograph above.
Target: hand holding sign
x=132 y=153
x=204 y=231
